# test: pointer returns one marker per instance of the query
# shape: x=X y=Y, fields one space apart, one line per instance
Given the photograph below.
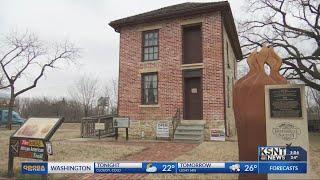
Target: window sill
x=192 y=66
x=150 y=61
x=149 y=105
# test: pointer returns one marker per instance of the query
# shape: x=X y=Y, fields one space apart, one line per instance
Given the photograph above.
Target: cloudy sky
x=84 y=23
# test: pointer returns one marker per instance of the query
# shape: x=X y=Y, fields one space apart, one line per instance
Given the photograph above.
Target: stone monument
x=286 y=121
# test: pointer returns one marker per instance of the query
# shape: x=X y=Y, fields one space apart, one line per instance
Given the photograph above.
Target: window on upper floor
x=192 y=44
x=149 y=88
x=150 y=45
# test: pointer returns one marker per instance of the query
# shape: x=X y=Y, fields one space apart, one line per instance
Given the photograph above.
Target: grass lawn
x=68 y=151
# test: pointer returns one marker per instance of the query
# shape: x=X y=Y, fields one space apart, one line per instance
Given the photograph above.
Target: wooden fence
x=88 y=126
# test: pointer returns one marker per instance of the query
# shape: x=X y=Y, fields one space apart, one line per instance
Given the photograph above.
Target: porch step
x=186 y=139
x=190 y=131
x=193 y=122
x=190 y=128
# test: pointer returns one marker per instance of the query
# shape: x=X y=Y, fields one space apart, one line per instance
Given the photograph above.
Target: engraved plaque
x=285 y=102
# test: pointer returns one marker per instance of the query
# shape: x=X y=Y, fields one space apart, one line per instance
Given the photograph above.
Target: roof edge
x=222 y=6
x=117 y=24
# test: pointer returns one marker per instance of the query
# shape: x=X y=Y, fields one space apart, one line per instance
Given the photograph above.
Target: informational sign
x=38 y=128
x=218 y=135
x=14 y=146
x=121 y=122
x=31 y=140
x=285 y=102
x=286 y=120
x=31 y=149
x=162 y=129
x=99 y=126
x=28 y=148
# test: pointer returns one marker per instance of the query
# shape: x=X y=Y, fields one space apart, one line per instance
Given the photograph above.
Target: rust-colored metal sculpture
x=249 y=104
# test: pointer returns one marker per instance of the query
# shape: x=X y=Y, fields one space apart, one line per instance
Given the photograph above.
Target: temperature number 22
x=167 y=167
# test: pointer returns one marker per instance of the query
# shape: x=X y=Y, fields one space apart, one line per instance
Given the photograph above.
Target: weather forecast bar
x=256 y=167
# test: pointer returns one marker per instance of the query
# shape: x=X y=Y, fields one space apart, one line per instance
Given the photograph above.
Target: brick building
x=179 y=58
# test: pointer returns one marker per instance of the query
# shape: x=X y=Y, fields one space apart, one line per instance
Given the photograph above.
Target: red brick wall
x=170 y=94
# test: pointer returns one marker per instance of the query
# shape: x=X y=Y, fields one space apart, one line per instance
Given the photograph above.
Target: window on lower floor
x=149 y=88
x=228 y=91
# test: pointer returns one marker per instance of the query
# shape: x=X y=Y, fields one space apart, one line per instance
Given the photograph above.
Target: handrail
x=176 y=119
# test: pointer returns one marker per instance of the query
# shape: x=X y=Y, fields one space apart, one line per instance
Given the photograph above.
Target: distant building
x=180 y=57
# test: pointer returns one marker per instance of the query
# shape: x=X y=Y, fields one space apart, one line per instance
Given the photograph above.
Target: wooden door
x=192 y=98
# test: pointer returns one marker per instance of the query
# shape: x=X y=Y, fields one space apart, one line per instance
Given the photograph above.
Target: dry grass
x=68 y=151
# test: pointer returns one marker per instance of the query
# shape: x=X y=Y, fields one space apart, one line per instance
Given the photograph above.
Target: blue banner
x=282 y=167
x=256 y=167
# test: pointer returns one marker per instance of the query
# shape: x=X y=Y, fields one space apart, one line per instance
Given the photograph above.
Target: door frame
x=193 y=73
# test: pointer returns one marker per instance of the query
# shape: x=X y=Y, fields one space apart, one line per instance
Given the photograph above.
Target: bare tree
x=316 y=98
x=111 y=91
x=85 y=92
x=71 y=110
x=292 y=27
x=25 y=57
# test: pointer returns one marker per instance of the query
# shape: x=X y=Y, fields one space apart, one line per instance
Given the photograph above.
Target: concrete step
x=190 y=128
x=195 y=133
x=190 y=131
x=193 y=122
x=187 y=136
x=188 y=139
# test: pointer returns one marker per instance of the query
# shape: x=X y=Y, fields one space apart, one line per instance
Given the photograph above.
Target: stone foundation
x=146 y=129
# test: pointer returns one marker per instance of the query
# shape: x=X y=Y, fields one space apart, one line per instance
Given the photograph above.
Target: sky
x=84 y=23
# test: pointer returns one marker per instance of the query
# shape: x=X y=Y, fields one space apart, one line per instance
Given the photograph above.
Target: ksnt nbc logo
x=272 y=153
x=34 y=168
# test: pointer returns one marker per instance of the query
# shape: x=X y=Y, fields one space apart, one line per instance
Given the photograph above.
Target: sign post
x=31 y=140
x=286 y=119
x=99 y=127
x=121 y=122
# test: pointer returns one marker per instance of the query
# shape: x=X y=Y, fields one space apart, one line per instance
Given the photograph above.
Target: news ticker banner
x=271 y=160
x=258 y=167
